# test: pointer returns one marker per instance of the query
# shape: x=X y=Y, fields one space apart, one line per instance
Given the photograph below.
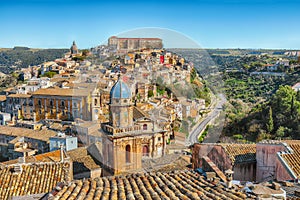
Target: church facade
x=130 y=135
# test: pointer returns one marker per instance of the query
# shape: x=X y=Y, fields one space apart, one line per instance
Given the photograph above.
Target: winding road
x=195 y=133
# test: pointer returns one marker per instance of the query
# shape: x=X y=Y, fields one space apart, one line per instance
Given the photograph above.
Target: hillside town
x=112 y=123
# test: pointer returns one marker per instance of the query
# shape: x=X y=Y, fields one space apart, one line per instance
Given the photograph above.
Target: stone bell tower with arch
x=129 y=136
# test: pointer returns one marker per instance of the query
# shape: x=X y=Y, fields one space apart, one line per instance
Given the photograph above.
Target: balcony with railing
x=114 y=130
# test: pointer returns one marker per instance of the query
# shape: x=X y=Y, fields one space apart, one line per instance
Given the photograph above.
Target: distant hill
x=20 y=57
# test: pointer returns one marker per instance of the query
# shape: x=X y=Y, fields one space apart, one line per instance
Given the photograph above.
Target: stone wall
x=242 y=171
x=269 y=167
x=214 y=152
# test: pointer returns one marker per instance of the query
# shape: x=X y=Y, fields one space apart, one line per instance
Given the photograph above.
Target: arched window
x=96 y=102
x=39 y=102
x=63 y=103
x=127 y=153
x=145 y=127
x=51 y=102
x=145 y=150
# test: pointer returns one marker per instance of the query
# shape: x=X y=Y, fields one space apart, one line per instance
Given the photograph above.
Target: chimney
x=24 y=157
x=61 y=153
x=18 y=169
x=228 y=174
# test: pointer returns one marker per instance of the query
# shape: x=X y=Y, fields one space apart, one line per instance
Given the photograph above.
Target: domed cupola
x=119 y=92
x=121 y=110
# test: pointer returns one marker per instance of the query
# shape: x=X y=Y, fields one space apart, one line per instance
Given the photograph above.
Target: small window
x=127 y=153
x=62 y=103
x=39 y=102
x=51 y=102
x=159 y=138
x=145 y=127
x=95 y=102
x=145 y=150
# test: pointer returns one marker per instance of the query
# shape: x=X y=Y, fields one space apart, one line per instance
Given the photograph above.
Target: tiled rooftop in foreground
x=26 y=179
x=183 y=184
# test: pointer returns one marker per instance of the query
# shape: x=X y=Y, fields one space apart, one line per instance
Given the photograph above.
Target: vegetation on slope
x=21 y=57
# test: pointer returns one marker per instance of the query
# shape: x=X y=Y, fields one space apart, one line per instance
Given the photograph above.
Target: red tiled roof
x=168 y=185
x=240 y=152
x=33 y=179
x=2 y=98
x=19 y=95
x=293 y=158
x=45 y=157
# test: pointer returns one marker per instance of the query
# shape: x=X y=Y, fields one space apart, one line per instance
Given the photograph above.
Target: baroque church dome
x=120 y=91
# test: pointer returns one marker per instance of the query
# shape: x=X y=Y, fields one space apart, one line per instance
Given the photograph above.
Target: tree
x=85 y=52
x=282 y=101
x=49 y=74
x=193 y=75
x=270 y=124
x=150 y=93
x=280 y=132
x=298 y=95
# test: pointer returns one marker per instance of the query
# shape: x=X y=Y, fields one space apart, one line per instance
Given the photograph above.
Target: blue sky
x=210 y=23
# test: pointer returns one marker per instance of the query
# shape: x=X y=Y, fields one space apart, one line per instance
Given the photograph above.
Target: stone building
x=74 y=49
x=278 y=160
x=2 y=103
x=238 y=157
x=61 y=139
x=20 y=106
x=265 y=161
x=35 y=140
x=127 y=44
x=62 y=104
x=129 y=136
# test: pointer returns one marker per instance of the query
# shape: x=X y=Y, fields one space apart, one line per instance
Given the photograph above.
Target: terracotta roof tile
x=240 y=152
x=2 y=98
x=32 y=179
x=43 y=135
x=45 y=157
x=19 y=96
x=138 y=113
x=61 y=92
x=167 y=185
x=292 y=158
x=82 y=161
